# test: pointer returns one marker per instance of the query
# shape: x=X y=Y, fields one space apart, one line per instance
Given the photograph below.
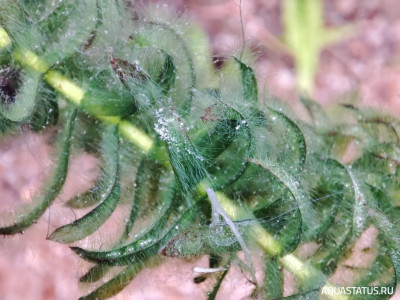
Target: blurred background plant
x=306 y=35
x=362 y=67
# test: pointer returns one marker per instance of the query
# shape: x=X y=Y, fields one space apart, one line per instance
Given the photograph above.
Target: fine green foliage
x=54 y=186
x=109 y=196
x=198 y=169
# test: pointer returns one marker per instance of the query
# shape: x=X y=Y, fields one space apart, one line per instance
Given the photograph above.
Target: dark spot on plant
x=9 y=83
x=90 y=40
x=199 y=279
x=125 y=69
x=218 y=62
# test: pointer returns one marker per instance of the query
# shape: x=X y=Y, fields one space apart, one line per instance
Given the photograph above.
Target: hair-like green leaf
x=151 y=235
x=95 y=273
x=317 y=114
x=20 y=108
x=126 y=256
x=110 y=195
x=336 y=239
x=163 y=36
x=166 y=194
x=231 y=136
x=54 y=186
x=293 y=184
x=213 y=142
x=17 y=22
x=373 y=121
x=105 y=180
x=391 y=234
x=38 y=10
x=67 y=28
x=107 y=102
x=186 y=161
x=119 y=282
x=168 y=76
x=282 y=218
x=46 y=110
x=249 y=83
x=360 y=201
x=86 y=199
x=217 y=286
x=379 y=274
x=112 y=28
x=7 y=126
x=273 y=281
x=147 y=181
x=292 y=149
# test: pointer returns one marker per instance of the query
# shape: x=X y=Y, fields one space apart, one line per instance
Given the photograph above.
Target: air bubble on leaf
x=222 y=235
x=359 y=222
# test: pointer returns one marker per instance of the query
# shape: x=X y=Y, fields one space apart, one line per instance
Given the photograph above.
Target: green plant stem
x=75 y=94
x=271 y=246
x=5 y=40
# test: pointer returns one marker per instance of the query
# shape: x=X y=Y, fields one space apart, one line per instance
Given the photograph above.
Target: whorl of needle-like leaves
x=125 y=89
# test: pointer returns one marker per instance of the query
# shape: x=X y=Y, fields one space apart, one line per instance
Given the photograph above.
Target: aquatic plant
x=211 y=167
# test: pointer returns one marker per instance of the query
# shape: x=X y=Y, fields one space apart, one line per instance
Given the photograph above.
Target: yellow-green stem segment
x=303 y=271
x=72 y=92
x=272 y=247
x=65 y=86
x=5 y=40
x=31 y=60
